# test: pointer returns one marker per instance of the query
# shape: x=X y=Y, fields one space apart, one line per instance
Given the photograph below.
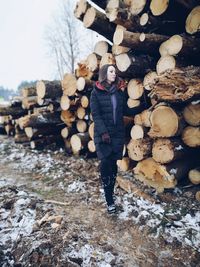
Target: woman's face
x=111 y=74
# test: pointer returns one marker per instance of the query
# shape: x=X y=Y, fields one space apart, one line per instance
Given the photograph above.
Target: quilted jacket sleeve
x=96 y=114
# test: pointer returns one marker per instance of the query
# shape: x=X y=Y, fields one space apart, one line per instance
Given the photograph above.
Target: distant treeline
x=7 y=94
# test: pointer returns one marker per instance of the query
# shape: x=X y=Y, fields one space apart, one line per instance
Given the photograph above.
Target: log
x=126 y=164
x=134 y=66
x=65 y=102
x=98 y=22
x=135 y=88
x=40 y=121
x=91 y=146
x=10 y=129
x=29 y=91
x=139 y=149
x=181 y=46
x=191 y=136
x=81 y=126
x=29 y=102
x=158 y=7
x=69 y=84
x=81 y=113
x=165 y=63
x=107 y=58
x=93 y=62
x=67 y=117
x=132 y=103
x=194 y=175
x=177 y=85
x=101 y=3
x=80 y=9
x=189 y=4
x=34 y=133
x=83 y=71
x=193 y=21
x=197 y=196
x=149 y=44
x=165 y=150
x=49 y=89
x=150 y=80
x=191 y=114
x=79 y=142
x=84 y=101
x=102 y=47
x=21 y=138
x=165 y=122
x=13 y=111
x=128 y=186
x=154 y=174
x=46 y=140
x=143 y=118
x=118 y=50
x=137 y=132
x=83 y=84
x=91 y=130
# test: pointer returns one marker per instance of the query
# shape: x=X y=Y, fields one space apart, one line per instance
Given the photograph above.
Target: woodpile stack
x=156 y=48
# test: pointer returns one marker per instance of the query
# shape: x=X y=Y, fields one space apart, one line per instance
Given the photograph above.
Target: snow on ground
x=184 y=228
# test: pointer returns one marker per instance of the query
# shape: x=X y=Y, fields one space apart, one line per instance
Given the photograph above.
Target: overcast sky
x=23 y=55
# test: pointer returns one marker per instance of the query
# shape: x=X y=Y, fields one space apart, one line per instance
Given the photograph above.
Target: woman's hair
x=103 y=74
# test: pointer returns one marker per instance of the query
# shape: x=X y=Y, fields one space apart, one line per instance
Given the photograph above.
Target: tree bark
x=49 y=89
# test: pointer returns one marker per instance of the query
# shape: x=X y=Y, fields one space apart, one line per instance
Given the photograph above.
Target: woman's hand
x=106 y=138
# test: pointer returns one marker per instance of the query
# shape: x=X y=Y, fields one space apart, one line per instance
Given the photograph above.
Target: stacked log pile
x=156 y=48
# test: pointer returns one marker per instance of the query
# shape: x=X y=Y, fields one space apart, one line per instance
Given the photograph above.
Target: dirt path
x=79 y=233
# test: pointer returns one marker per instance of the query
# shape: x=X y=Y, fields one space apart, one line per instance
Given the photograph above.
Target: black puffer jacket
x=102 y=113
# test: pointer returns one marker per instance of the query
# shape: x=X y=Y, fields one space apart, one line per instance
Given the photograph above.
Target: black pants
x=108 y=170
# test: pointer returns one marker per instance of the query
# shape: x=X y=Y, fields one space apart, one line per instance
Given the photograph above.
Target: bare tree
x=68 y=41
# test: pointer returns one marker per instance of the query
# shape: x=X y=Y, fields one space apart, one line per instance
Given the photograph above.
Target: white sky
x=23 y=55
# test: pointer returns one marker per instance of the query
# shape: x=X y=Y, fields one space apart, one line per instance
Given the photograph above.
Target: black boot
x=108 y=188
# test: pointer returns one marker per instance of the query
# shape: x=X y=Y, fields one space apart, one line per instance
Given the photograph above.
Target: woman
x=108 y=105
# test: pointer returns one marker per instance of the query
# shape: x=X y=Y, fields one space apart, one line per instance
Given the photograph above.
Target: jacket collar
x=120 y=86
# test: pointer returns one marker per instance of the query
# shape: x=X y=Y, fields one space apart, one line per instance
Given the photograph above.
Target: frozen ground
x=76 y=230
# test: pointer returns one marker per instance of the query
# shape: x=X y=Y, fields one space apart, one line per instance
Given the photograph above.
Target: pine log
x=81 y=126
x=137 y=132
x=165 y=63
x=181 y=46
x=135 y=88
x=98 y=22
x=46 y=140
x=143 y=118
x=21 y=138
x=177 y=85
x=10 y=129
x=191 y=136
x=193 y=21
x=67 y=117
x=118 y=50
x=83 y=71
x=166 y=150
x=154 y=174
x=49 y=89
x=191 y=114
x=101 y=3
x=81 y=113
x=68 y=132
x=69 y=84
x=83 y=84
x=40 y=121
x=189 y=4
x=80 y=9
x=29 y=102
x=13 y=111
x=65 y=102
x=91 y=146
x=28 y=91
x=79 y=141
x=93 y=62
x=91 y=130
x=158 y=7
x=84 y=101
x=126 y=164
x=134 y=66
x=34 y=133
x=194 y=175
x=137 y=6
x=68 y=147
x=132 y=103
x=139 y=149
x=149 y=80
x=149 y=44
x=101 y=47
x=165 y=122
x=107 y=58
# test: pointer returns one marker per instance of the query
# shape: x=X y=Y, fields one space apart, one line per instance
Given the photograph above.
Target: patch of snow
x=76 y=186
